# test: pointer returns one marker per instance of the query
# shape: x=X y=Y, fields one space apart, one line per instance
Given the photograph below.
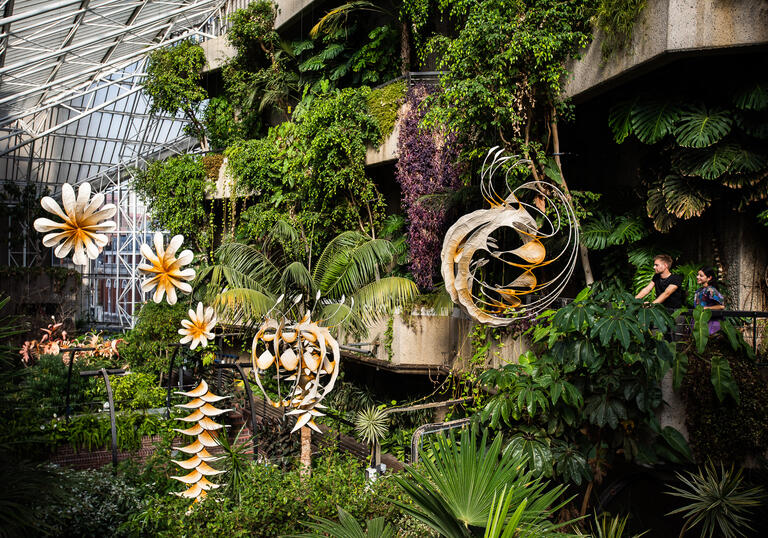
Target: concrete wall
x=667 y=28
x=425 y=339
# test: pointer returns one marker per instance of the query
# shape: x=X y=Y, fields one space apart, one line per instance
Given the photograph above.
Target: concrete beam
x=666 y=29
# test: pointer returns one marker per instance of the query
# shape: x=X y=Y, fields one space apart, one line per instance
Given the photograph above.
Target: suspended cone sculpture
x=203 y=430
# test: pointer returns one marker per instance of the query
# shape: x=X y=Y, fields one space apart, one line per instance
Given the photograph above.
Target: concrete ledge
x=387 y=151
x=217 y=52
x=671 y=27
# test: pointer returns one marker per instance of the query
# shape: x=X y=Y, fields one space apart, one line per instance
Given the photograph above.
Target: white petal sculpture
x=84 y=228
x=306 y=361
x=468 y=246
x=165 y=269
x=198 y=329
x=196 y=480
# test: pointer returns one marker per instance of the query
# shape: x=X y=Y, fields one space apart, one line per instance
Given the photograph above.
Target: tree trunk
x=405 y=48
x=306 y=451
x=583 y=253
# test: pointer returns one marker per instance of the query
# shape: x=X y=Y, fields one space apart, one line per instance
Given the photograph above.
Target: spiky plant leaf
x=620 y=119
x=753 y=97
x=699 y=126
x=383 y=296
x=684 y=198
x=654 y=119
x=297 y=276
x=346 y=527
x=355 y=264
x=371 y=424
x=717 y=500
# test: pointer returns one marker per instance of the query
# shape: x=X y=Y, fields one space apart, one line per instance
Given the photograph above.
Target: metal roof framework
x=72 y=110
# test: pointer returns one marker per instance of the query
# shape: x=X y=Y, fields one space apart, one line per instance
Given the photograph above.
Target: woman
x=707 y=295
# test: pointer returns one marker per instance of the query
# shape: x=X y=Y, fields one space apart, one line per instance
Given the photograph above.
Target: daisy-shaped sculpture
x=198 y=329
x=164 y=268
x=84 y=228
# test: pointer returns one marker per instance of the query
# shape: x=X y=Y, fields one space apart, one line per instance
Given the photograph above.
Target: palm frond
x=297 y=274
x=699 y=126
x=242 y=306
x=350 y=264
x=251 y=262
x=383 y=296
x=596 y=232
x=336 y=17
x=347 y=527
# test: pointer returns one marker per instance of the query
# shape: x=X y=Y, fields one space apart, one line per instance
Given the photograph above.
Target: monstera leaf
x=699 y=126
x=595 y=232
x=713 y=162
x=753 y=97
x=753 y=123
x=657 y=208
x=620 y=119
x=653 y=120
x=684 y=198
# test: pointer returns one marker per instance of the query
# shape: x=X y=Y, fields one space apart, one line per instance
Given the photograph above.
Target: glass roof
x=71 y=72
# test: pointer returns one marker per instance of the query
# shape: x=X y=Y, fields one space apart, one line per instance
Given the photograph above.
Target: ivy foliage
x=590 y=390
x=616 y=20
x=384 y=104
x=174 y=191
x=311 y=171
x=710 y=147
x=173 y=83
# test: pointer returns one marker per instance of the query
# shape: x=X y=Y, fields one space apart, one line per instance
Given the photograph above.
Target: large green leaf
x=653 y=120
x=656 y=204
x=753 y=97
x=722 y=379
x=620 y=119
x=679 y=369
x=595 y=232
x=714 y=161
x=571 y=465
x=534 y=450
x=603 y=410
x=677 y=442
x=346 y=527
x=699 y=126
x=701 y=319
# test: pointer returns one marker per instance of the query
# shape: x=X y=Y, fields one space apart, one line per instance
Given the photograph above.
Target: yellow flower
x=198 y=329
x=84 y=228
x=165 y=270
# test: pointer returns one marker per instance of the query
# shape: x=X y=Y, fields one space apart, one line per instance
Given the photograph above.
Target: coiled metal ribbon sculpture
x=469 y=246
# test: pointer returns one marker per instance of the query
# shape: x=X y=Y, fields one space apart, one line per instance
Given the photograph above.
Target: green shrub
x=146 y=344
x=96 y=504
x=273 y=502
x=137 y=390
x=384 y=104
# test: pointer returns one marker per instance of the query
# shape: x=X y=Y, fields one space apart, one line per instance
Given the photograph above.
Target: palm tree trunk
x=583 y=253
x=306 y=451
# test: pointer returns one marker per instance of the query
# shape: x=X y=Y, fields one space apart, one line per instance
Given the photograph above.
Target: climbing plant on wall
x=426 y=166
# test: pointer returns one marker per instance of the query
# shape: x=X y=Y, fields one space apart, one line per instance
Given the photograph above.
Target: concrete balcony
x=665 y=31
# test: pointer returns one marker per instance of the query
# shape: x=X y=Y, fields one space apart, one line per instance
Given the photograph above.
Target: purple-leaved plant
x=427 y=165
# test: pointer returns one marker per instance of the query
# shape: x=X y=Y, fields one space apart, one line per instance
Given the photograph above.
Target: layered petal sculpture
x=165 y=269
x=195 y=480
x=198 y=329
x=84 y=225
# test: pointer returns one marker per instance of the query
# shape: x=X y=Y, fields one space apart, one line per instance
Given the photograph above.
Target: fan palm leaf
x=347 y=527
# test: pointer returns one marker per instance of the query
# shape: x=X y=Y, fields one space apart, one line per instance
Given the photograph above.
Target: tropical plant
x=713 y=148
x=371 y=425
x=717 y=500
x=607 y=526
x=588 y=391
x=346 y=277
x=173 y=84
x=347 y=527
x=453 y=493
x=237 y=462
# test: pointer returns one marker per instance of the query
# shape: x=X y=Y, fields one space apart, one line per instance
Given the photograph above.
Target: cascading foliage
x=426 y=166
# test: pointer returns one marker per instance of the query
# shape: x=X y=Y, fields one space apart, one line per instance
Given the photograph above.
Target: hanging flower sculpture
x=198 y=329
x=198 y=462
x=305 y=356
x=165 y=269
x=84 y=228
x=482 y=238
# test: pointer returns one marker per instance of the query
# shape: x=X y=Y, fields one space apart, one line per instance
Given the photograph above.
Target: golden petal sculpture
x=307 y=367
x=197 y=464
x=198 y=329
x=470 y=244
x=165 y=269
x=84 y=225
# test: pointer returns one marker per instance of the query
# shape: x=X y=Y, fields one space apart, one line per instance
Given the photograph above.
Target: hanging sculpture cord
x=469 y=246
x=306 y=356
